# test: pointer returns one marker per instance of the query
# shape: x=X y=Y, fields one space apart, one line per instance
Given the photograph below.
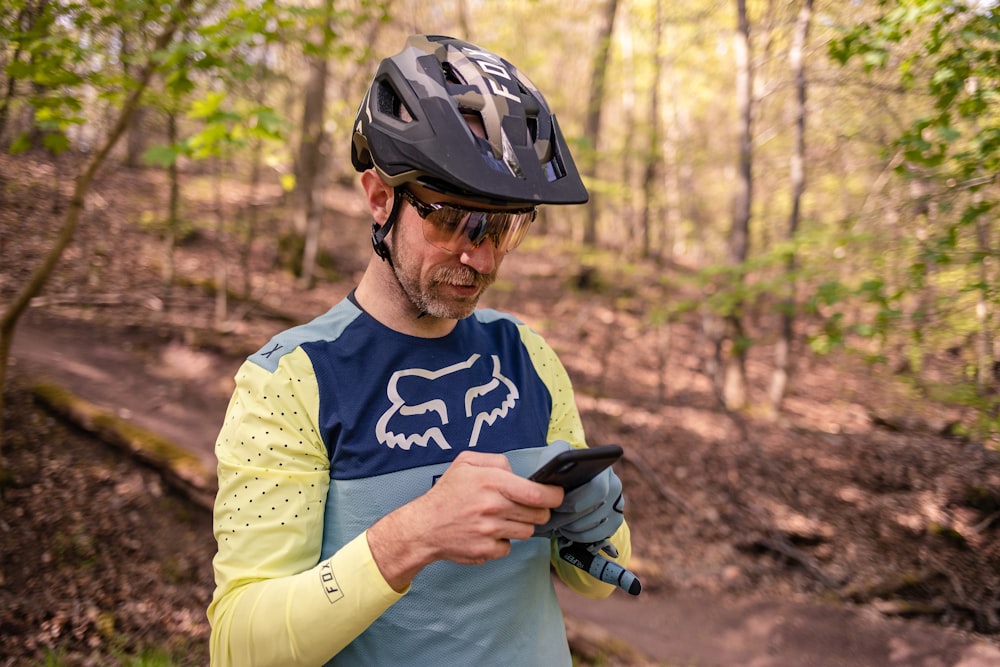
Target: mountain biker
x=373 y=506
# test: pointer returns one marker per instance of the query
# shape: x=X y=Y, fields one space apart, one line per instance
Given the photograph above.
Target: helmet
x=414 y=126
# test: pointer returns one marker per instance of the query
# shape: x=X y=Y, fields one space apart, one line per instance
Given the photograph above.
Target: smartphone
x=576 y=467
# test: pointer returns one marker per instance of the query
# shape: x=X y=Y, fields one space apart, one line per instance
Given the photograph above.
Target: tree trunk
x=249 y=223
x=592 y=123
x=309 y=156
x=24 y=22
x=462 y=9
x=221 y=267
x=734 y=390
x=986 y=362
x=311 y=152
x=626 y=227
x=135 y=138
x=678 y=172
x=783 y=350
x=173 y=216
x=654 y=156
x=41 y=274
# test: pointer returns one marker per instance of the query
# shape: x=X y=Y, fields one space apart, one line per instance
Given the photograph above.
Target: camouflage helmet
x=414 y=126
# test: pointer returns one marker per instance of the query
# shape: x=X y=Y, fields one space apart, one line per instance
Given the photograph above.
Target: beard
x=433 y=297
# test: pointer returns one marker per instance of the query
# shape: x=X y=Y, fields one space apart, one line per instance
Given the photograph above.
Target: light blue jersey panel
x=327 y=327
x=501 y=613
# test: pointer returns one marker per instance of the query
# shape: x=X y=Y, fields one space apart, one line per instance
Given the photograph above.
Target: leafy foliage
x=889 y=263
x=948 y=53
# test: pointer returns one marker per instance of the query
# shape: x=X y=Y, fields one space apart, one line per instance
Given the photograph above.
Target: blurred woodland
x=783 y=295
x=828 y=170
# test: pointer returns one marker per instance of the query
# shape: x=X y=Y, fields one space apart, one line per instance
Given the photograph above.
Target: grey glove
x=590 y=513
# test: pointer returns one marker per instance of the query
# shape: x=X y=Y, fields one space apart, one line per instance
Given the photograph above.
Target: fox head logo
x=458 y=399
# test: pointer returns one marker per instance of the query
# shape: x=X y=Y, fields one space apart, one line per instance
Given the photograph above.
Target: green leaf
x=948 y=133
x=268 y=122
x=876 y=59
x=830 y=292
x=21 y=144
x=161 y=156
x=206 y=106
x=56 y=142
x=943 y=75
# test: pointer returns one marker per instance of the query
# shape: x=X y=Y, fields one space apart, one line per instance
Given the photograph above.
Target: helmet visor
x=454 y=228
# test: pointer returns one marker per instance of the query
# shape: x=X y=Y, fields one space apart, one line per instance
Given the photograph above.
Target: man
x=373 y=506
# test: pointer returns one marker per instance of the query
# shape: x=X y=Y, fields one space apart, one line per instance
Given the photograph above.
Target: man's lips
x=464 y=290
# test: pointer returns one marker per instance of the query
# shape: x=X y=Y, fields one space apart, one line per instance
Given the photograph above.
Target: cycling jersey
x=340 y=421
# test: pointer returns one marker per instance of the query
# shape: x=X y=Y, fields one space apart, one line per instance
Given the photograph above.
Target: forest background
x=833 y=170
x=794 y=178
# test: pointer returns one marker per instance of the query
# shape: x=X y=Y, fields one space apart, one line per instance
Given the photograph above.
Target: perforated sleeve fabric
x=272 y=592
x=565 y=424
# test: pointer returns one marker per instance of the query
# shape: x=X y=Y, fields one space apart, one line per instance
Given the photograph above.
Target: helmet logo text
x=487 y=63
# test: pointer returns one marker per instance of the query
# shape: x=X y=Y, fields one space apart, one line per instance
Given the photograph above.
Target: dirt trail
x=688 y=629
x=160 y=385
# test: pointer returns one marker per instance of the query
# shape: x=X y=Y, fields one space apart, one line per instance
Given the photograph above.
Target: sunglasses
x=453 y=228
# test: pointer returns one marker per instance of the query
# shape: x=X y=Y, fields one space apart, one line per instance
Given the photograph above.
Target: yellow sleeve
x=275 y=603
x=565 y=424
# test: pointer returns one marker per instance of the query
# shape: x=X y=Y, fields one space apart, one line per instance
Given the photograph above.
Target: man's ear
x=379 y=195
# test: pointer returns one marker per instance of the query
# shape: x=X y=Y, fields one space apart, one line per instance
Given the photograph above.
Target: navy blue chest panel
x=390 y=402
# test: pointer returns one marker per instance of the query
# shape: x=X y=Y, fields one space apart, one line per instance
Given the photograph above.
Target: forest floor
x=850 y=530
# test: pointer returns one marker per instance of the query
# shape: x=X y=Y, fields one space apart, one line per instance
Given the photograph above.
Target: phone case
x=576 y=467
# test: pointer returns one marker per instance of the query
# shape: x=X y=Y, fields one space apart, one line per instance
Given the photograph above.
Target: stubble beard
x=428 y=298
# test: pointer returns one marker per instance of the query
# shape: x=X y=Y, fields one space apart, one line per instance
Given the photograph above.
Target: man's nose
x=482 y=258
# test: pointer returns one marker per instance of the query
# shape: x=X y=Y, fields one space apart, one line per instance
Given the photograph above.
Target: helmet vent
x=391 y=104
x=554 y=169
x=451 y=74
x=532 y=128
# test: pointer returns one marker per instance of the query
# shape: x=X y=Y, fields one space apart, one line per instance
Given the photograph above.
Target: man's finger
x=533 y=494
x=482 y=460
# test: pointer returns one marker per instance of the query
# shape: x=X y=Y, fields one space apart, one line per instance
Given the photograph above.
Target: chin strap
x=379 y=232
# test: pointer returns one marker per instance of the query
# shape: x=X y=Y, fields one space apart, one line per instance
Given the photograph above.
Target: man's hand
x=469 y=516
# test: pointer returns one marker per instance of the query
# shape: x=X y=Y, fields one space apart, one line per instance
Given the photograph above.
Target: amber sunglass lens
x=445 y=227
x=454 y=228
x=457 y=229
x=519 y=230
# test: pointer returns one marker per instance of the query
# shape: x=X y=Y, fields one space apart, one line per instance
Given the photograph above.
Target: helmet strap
x=379 y=232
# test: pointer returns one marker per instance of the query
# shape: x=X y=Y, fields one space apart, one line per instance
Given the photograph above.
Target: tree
x=171 y=23
x=42 y=59
x=26 y=21
x=68 y=67
x=312 y=147
x=952 y=151
x=654 y=160
x=135 y=135
x=733 y=382
x=592 y=124
x=783 y=347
